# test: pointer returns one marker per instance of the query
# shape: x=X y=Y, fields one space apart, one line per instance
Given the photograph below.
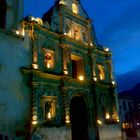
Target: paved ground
x=133 y=138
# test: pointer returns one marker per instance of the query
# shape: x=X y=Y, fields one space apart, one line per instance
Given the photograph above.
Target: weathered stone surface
x=54 y=133
x=110 y=132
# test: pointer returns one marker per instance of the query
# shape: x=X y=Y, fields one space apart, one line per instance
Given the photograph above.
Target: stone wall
x=110 y=132
x=53 y=133
x=14 y=92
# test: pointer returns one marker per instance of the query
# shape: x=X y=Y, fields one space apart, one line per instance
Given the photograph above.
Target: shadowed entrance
x=78 y=114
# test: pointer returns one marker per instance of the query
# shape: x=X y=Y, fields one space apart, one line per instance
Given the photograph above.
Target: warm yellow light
x=95 y=79
x=74 y=8
x=67 y=119
x=23 y=32
x=17 y=32
x=39 y=21
x=101 y=77
x=85 y=43
x=34 y=122
x=62 y=2
x=81 y=78
x=107 y=116
x=65 y=33
x=113 y=82
x=101 y=72
x=34 y=118
x=99 y=122
x=65 y=72
x=118 y=120
x=91 y=44
x=49 y=115
x=35 y=66
x=48 y=65
x=32 y=18
x=106 y=49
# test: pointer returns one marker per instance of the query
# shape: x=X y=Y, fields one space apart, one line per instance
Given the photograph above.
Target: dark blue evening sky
x=117 y=26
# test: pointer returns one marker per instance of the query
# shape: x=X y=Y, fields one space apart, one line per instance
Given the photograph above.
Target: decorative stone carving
x=66 y=58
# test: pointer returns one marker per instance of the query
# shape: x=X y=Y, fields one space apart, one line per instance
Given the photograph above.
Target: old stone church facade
x=56 y=81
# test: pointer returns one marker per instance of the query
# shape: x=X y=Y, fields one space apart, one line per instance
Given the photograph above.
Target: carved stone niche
x=48 y=104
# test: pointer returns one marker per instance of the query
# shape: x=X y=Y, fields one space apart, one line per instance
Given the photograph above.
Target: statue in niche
x=48 y=107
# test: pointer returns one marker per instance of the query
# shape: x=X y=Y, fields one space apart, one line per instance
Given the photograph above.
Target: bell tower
x=71 y=4
x=13 y=13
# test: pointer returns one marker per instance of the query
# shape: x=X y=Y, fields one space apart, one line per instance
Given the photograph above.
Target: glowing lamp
x=91 y=44
x=113 y=82
x=95 y=78
x=81 y=78
x=48 y=65
x=34 y=118
x=107 y=116
x=99 y=122
x=34 y=122
x=106 y=49
x=62 y=2
x=49 y=115
x=17 y=32
x=67 y=119
x=118 y=120
x=65 y=72
x=35 y=66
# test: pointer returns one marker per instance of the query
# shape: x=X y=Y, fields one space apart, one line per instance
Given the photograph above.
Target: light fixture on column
x=81 y=77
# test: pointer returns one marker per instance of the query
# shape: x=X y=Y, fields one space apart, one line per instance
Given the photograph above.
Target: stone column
x=66 y=106
x=34 y=111
x=66 y=58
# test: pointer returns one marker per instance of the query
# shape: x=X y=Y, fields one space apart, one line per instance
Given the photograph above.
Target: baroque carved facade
x=68 y=77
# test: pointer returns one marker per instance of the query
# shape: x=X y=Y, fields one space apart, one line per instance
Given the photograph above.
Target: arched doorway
x=79 y=119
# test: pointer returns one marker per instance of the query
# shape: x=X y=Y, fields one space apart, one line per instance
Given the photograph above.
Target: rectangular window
x=74 y=68
x=77 y=67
